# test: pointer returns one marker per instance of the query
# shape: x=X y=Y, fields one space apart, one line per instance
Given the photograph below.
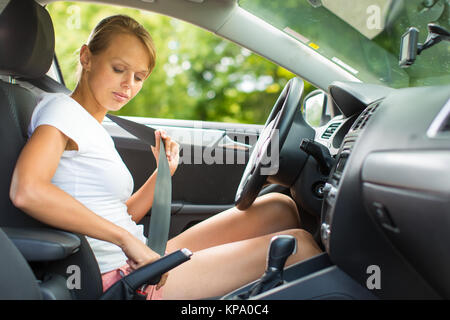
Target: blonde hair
x=101 y=35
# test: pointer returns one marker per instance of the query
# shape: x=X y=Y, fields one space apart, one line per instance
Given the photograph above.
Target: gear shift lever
x=280 y=248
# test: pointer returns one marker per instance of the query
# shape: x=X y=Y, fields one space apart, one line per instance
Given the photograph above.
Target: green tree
x=198 y=76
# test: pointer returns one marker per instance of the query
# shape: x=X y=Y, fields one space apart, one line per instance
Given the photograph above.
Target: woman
x=70 y=176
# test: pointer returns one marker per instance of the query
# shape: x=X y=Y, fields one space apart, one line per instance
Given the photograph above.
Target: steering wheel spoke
x=272 y=136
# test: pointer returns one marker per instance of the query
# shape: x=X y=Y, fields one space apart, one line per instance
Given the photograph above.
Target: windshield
x=363 y=36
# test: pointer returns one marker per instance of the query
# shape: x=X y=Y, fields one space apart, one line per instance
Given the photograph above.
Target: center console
x=314 y=278
x=331 y=188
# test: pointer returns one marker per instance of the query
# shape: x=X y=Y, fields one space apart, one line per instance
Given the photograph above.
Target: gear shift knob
x=280 y=248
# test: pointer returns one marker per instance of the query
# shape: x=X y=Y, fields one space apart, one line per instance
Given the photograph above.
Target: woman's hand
x=172 y=150
x=140 y=255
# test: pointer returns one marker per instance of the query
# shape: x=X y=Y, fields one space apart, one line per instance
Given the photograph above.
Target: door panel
x=212 y=160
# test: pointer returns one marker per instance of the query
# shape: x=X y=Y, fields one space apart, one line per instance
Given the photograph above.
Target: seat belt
x=162 y=198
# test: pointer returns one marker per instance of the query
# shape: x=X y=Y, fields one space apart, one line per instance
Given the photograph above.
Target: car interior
x=372 y=182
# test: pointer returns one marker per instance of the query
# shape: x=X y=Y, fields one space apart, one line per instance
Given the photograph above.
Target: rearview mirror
x=314 y=108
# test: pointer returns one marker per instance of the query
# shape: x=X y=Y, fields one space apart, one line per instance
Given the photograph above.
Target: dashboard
x=387 y=199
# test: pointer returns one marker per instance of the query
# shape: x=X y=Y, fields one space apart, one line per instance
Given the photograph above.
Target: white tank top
x=94 y=174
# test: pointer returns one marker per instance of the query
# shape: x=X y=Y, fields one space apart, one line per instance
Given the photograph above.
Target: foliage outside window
x=198 y=76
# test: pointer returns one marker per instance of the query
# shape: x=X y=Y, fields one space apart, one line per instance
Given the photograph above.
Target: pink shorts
x=111 y=277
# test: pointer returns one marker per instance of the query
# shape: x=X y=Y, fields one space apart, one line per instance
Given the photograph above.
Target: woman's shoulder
x=47 y=99
x=57 y=105
x=57 y=109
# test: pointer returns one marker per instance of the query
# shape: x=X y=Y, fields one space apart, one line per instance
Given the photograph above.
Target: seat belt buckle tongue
x=141 y=294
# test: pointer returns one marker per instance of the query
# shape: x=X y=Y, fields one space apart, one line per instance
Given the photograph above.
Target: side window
x=54 y=73
x=198 y=76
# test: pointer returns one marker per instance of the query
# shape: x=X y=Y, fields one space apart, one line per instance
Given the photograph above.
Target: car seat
x=27 y=43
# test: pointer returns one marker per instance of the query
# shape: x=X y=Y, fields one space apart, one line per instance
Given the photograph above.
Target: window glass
x=53 y=72
x=198 y=76
x=363 y=36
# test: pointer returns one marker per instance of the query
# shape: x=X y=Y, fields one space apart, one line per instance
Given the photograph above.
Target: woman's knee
x=301 y=235
x=306 y=244
x=285 y=208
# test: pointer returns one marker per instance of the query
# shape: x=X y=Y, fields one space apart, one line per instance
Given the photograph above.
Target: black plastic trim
x=328 y=284
x=42 y=244
x=292 y=273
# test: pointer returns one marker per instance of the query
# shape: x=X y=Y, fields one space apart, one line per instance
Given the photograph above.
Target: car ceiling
x=227 y=20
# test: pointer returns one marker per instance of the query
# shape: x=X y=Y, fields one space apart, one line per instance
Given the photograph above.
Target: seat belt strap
x=162 y=199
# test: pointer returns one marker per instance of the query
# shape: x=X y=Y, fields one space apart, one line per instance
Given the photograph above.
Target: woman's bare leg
x=230 y=248
x=219 y=270
x=270 y=213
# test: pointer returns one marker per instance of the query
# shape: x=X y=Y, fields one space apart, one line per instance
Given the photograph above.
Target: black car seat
x=17 y=279
x=27 y=44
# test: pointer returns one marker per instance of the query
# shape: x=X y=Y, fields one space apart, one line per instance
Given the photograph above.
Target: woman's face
x=117 y=74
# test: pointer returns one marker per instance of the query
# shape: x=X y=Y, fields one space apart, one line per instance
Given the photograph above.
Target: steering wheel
x=272 y=137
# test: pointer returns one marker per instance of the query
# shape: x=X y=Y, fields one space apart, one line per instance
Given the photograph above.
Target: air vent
x=364 y=117
x=347 y=146
x=342 y=158
x=330 y=130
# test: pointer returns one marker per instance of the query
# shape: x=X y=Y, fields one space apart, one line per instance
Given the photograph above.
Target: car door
x=212 y=159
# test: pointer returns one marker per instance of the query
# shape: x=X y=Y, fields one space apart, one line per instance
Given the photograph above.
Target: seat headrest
x=27 y=39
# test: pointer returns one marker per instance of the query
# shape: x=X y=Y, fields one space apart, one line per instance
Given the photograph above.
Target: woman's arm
x=142 y=200
x=32 y=191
